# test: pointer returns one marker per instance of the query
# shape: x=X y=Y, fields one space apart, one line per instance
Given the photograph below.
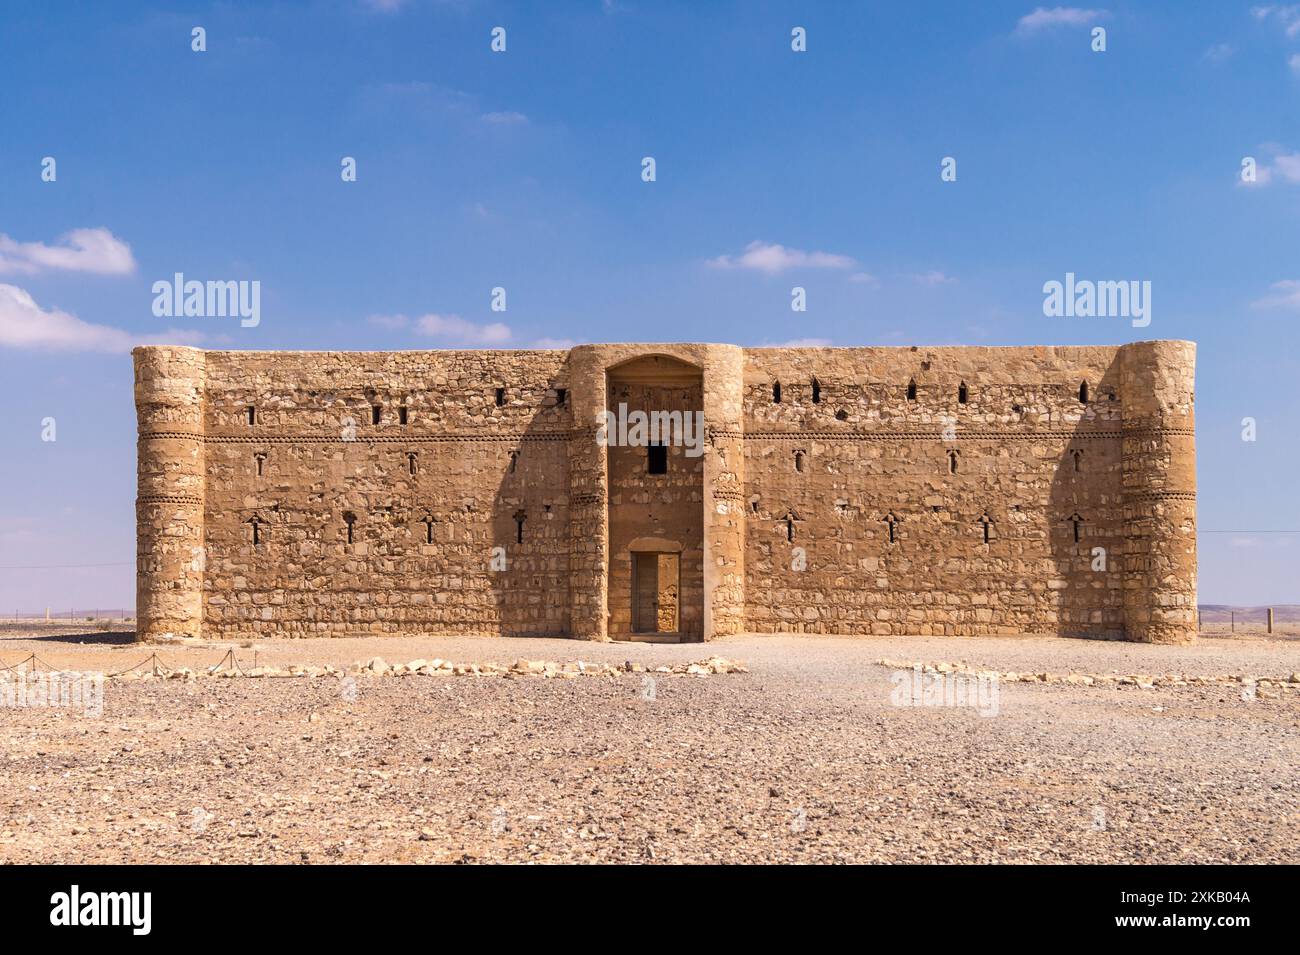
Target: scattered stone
x=1142 y=681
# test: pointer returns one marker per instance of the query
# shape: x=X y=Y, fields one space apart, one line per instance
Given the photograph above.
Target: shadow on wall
x=527 y=542
x=1085 y=519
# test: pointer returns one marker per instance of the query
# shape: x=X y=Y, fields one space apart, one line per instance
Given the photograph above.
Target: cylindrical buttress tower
x=170 y=558
x=724 y=485
x=1157 y=387
x=588 y=494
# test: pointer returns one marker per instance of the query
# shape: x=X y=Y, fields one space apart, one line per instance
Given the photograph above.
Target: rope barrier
x=31 y=656
x=157 y=666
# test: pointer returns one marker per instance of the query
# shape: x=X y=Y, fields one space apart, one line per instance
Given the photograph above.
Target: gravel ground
x=803 y=759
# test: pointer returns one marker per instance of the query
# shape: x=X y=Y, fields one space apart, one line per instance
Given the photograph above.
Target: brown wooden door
x=645 y=585
x=655 y=586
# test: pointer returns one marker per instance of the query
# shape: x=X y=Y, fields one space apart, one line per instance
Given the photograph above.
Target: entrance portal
x=656 y=582
x=655 y=499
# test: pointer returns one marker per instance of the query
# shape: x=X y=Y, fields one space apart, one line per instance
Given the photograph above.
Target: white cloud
x=82 y=250
x=564 y=344
x=1293 y=61
x=1287 y=165
x=1284 y=167
x=932 y=277
x=451 y=329
x=772 y=258
x=24 y=324
x=1044 y=19
x=1288 y=17
x=434 y=102
x=1286 y=294
x=504 y=119
x=1219 y=52
x=865 y=278
x=389 y=321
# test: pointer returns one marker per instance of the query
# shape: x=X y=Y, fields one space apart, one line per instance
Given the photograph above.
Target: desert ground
x=804 y=758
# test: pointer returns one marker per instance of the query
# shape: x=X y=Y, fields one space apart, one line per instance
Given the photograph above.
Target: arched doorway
x=655 y=460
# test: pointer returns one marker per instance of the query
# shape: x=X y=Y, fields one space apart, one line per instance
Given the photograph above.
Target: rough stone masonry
x=840 y=490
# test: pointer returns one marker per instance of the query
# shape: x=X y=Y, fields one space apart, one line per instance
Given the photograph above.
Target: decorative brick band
x=959 y=434
x=168 y=499
x=1182 y=432
x=1160 y=496
x=367 y=439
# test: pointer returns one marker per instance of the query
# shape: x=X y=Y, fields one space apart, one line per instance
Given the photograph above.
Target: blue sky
x=522 y=170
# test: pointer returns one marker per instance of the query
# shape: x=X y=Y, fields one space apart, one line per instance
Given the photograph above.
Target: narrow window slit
x=656 y=461
x=376 y=412
x=892 y=523
x=962 y=393
x=251 y=411
x=776 y=392
x=1083 y=392
x=520 y=517
x=911 y=390
x=402 y=417
x=500 y=397
x=816 y=391
x=350 y=520
x=411 y=462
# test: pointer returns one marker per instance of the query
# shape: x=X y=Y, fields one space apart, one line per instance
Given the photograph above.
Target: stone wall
x=855 y=490
x=827 y=475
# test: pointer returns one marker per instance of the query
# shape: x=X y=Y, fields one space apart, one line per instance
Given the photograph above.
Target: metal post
x=1270 y=619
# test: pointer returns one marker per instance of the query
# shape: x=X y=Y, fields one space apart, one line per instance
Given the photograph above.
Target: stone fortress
x=839 y=490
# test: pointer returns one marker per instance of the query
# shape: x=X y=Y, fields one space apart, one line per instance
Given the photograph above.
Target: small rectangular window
x=376 y=411
x=500 y=397
x=252 y=414
x=401 y=414
x=656 y=461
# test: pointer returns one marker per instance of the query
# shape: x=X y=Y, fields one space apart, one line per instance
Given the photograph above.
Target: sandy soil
x=803 y=759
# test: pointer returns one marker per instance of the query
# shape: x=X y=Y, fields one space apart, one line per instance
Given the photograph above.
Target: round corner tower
x=169 y=400
x=1157 y=386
